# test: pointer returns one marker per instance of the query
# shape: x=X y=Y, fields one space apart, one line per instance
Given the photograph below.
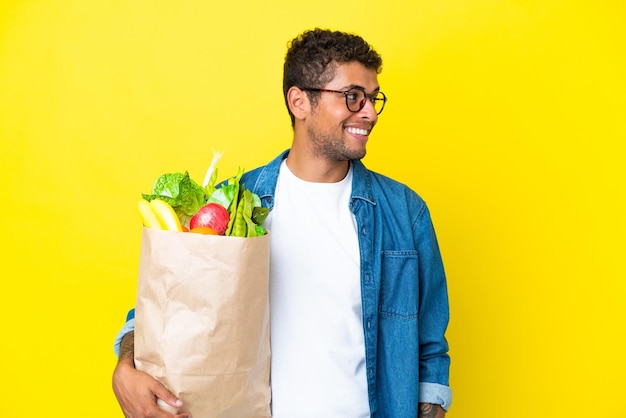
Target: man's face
x=334 y=132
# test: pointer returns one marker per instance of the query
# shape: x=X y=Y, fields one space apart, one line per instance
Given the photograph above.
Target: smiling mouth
x=357 y=131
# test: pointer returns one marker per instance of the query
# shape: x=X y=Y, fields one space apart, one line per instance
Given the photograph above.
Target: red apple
x=212 y=215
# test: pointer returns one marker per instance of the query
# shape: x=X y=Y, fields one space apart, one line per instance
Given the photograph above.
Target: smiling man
x=359 y=304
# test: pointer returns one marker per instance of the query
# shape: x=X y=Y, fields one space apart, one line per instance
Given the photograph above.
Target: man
x=358 y=294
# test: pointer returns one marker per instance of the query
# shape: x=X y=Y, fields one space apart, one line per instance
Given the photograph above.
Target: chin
x=354 y=156
x=357 y=154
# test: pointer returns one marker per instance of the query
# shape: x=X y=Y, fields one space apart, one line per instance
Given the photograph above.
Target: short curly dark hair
x=314 y=55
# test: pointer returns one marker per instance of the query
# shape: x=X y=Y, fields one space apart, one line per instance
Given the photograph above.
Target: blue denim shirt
x=403 y=290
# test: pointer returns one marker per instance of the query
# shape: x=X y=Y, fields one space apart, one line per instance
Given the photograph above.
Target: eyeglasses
x=356 y=98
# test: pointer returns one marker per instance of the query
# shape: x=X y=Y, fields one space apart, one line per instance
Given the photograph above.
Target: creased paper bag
x=202 y=321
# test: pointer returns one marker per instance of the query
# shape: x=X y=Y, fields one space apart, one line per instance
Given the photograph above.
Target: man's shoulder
x=264 y=176
x=252 y=174
x=383 y=183
x=388 y=181
x=250 y=178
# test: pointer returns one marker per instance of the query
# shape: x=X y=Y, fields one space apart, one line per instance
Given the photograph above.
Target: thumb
x=167 y=401
x=169 y=408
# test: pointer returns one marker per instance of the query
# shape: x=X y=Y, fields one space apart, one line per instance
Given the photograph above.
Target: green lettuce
x=181 y=192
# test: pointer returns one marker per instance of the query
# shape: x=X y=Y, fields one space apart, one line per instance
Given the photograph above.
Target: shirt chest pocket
x=399 y=285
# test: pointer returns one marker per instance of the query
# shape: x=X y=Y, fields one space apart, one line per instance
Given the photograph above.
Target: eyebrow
x=356 y=86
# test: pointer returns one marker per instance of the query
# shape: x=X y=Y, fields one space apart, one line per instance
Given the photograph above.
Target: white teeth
x=357 y=131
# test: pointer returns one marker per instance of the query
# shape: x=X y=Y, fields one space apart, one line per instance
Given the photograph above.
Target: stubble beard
x=332 y=148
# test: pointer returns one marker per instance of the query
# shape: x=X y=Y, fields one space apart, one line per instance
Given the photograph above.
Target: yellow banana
x=166 y=215
x=148 y=217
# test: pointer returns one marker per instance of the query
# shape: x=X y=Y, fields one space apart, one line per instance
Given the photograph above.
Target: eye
x=352 y=95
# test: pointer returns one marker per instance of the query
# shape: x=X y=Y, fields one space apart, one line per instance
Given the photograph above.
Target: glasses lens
x=379 y=102
x=355 y=100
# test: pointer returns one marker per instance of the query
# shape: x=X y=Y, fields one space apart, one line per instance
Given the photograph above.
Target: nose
x=368 y=111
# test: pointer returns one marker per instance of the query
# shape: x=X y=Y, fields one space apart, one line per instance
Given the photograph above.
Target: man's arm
x=433 y=317
x=429 y=410
x=127 y=347
x=137 y=392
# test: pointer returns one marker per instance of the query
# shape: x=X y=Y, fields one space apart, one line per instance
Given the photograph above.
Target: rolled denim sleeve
x=436 y=394
x=128 y=327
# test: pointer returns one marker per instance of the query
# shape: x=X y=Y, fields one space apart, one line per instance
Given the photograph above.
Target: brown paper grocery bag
x=202 y=321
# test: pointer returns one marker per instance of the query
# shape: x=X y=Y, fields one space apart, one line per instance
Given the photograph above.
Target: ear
x=298 y=103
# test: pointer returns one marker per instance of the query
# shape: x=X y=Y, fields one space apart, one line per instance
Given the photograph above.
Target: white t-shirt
x=318 y=351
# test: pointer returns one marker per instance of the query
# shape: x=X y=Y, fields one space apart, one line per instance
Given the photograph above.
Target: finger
x=166 y=400
x=162 y=393
x=172 y=409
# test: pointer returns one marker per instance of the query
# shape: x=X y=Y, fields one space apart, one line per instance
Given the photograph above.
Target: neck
x=310 y=167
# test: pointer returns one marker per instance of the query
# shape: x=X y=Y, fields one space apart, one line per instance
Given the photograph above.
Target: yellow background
x=508 y=117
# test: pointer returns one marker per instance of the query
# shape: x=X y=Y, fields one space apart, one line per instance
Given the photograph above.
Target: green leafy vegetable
x=232 y=186
x=187 y=197
x=181 y=192
x=259 y=213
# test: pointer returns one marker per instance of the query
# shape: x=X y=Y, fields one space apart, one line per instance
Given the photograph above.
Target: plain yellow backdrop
x=507 y=116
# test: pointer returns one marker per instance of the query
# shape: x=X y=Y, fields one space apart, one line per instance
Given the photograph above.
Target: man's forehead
x=354 y=74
